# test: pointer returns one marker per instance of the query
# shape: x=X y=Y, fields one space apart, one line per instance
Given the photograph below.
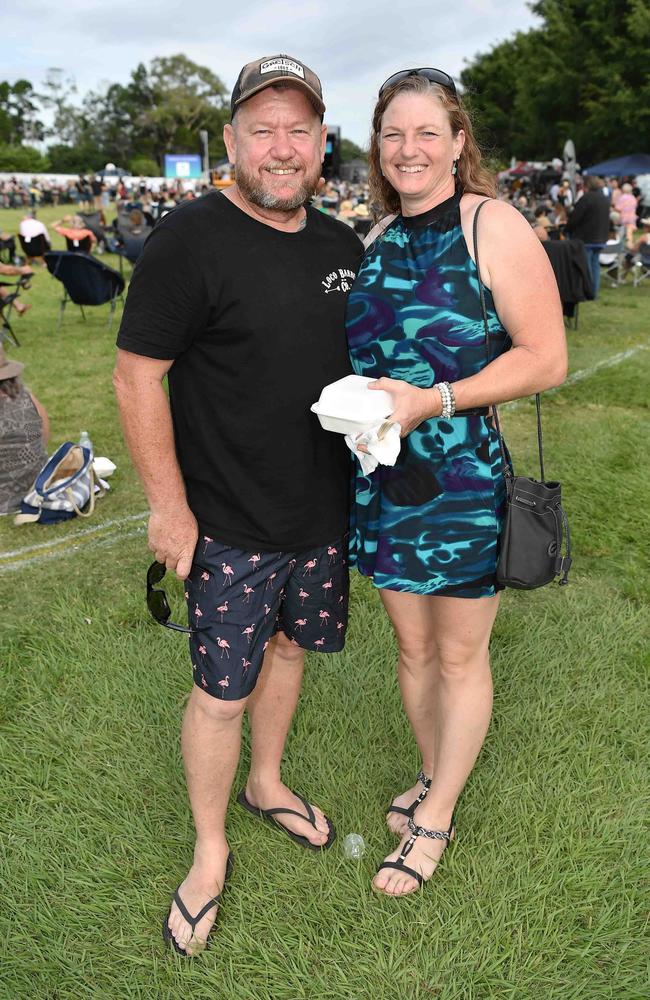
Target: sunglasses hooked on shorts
x=157 y=602
x=430 y=74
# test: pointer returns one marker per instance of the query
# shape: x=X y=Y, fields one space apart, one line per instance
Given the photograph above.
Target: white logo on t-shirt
x=283 y=66
x=339 y=280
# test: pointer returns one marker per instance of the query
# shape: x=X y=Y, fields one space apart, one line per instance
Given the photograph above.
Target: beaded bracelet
x=448 y=399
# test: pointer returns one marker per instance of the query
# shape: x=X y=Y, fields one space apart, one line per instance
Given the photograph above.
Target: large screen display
x=182 y=166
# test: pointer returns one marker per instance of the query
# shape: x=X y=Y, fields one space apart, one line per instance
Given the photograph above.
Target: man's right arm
x=146 y=420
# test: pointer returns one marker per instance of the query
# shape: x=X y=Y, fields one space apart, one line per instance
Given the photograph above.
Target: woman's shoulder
x=499 y=218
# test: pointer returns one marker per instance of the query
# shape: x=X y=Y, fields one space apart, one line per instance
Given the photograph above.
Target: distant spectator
x=84 y=192
x=605 y=258
x=626 y=205
x=541 y=217
x=132 y=223
x=29 y=228
x=614 y=192
x=97 y=187
x=74 y=229
x=522 y=206
x=644 y=239
x=541 y=232
x=24 y=433
x=589 y=222
x=565 y=195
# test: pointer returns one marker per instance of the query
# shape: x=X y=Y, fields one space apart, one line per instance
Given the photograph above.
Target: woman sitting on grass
x=24 y=433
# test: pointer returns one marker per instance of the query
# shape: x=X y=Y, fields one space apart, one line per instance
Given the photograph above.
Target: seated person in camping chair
x=74 y=231
x=10 y=289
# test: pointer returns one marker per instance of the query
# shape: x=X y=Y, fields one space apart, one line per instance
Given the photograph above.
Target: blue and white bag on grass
x=66 y=485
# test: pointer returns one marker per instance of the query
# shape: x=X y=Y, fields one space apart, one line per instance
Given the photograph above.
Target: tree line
x=159 y=110
x=582 y=73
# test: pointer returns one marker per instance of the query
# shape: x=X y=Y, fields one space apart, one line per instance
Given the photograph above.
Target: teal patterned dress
x=430 y=524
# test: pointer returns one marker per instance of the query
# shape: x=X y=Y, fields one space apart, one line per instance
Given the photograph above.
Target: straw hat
x=8 y=369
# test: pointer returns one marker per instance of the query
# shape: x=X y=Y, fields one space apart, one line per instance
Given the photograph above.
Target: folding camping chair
x=129 y=247
x=7 y=304
x=86 y=280
x=79 y=246
x=642 y=265
x=7 y=249
x=34 y=246
x=611 y=259
x=93 y=221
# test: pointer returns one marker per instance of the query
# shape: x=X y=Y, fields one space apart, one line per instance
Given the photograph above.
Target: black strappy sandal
x=408 y=811
x=418 y=831
x=270 y=816
x=169 y=938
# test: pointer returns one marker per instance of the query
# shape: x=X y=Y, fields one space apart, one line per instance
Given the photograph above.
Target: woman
x=24 y=432
x=426 y=530
x=626 y=205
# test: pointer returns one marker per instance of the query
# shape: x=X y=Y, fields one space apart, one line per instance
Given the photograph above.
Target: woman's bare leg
x=461 y=629
x=417 y=673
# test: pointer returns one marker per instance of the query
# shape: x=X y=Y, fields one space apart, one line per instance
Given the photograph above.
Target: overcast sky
x=353 y=46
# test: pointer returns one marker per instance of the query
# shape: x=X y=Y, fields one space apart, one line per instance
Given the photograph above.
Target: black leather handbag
x=535 y=528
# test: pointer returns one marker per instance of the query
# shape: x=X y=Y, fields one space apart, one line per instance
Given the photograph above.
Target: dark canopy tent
x=623 y=166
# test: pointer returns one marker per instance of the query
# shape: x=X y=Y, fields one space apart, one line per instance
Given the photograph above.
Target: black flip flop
x=169 y=938
x=270 y=816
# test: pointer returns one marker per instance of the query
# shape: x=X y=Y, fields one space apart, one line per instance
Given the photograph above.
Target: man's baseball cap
x=264 y=72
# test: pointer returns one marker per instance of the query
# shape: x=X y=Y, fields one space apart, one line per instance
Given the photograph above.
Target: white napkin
x=384 y=451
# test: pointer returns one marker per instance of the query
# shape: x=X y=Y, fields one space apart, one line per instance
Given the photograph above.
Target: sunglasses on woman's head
x=432 y=75
x=157 y=602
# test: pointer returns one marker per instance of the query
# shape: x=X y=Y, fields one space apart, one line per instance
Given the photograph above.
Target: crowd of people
x=90 y=193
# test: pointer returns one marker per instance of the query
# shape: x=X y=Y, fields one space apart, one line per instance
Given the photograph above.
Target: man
x=31 y=228
x=240 y=296
x=589 y=222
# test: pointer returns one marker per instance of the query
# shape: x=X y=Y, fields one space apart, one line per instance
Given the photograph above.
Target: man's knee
x=287 y=649
x=216 y=709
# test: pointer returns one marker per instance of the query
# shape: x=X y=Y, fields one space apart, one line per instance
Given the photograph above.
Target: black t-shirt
x=254 y=320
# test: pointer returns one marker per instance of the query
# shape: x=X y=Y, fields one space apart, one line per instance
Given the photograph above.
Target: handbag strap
x=377 y=230
x=94 y=482
x=507 y=471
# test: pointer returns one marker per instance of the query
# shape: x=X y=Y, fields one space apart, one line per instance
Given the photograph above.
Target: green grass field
x=541 y=896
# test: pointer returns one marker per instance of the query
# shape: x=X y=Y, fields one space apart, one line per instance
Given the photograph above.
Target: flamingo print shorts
x=238 y=600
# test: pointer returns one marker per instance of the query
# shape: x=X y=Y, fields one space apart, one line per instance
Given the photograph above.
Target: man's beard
x=254 y=192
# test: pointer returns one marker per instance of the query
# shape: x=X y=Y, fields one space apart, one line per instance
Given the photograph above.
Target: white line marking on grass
x=611 y=362
x=116 y=522
x=95 y=543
